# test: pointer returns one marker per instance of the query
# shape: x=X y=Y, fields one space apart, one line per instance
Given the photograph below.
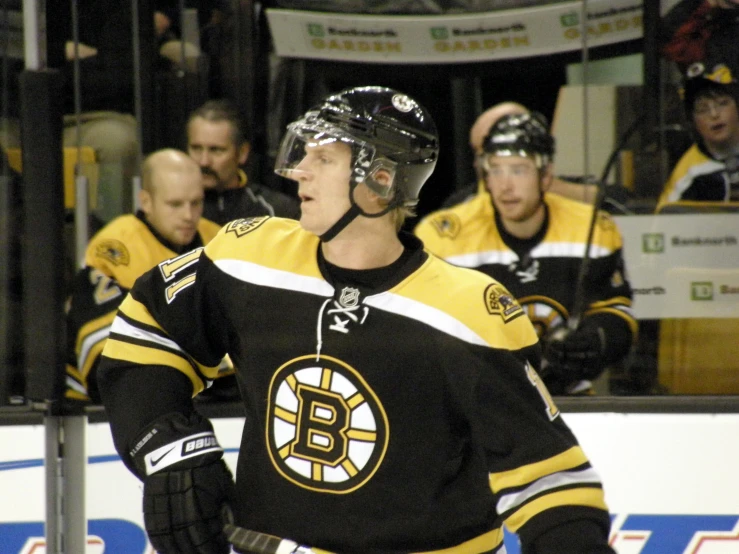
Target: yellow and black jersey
x=699 y=177
x=115 y=257
x=542 y=273
x=411 y=410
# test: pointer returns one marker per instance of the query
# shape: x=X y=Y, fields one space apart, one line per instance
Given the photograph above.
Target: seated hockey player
x=167 y=224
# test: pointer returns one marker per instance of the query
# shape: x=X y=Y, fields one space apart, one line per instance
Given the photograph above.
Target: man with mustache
x=217 y=142
x=168 y=224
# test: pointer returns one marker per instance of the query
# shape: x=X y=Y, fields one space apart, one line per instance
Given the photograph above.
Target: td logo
x=653 y=243
x=701 y=290
x=316 y=30
x=569 y=19
x=439 y=33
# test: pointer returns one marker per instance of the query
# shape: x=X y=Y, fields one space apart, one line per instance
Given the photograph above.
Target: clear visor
x=309 y=145
x=313 y=148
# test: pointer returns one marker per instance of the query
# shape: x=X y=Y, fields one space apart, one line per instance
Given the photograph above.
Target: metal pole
x=585 y=99
x=65 y=454
x=81 y=185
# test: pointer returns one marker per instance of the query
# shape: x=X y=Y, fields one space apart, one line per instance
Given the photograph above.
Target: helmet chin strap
x=350 y=215
x=341 y=224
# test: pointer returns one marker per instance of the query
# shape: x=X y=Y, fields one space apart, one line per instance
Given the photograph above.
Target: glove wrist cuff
x=175 y=441
x=178 y=451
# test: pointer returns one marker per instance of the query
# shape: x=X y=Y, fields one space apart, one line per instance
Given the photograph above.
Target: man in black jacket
x=216 y=140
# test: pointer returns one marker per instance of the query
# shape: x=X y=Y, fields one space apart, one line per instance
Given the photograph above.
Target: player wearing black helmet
x=392 y=141
x=392 y=403
x=709 y=169
x=533 y=242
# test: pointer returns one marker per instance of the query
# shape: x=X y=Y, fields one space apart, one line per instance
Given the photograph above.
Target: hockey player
x=216 y=141
x=479 y=130
x=168 y=224
x=533 y=242
x=392 y=402
x=709 y=169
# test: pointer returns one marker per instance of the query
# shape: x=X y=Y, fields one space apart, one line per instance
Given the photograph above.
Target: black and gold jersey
x=542 y=273
x=115 y=257
x=406 y=417
x=701 y=178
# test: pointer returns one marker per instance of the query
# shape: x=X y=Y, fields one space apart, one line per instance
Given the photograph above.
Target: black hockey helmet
x=524 y=135
x=386 y=130
x=701 y=81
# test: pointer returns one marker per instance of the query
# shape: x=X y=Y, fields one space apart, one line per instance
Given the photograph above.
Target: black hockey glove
x=187 y=485
x=574 y=355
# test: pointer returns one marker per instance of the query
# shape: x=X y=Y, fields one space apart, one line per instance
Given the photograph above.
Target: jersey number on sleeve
x=106 y=288
x=535 y=380
x=174 y=268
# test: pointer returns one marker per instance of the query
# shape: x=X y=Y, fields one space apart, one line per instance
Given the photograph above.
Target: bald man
x=168 y=224
x=480 y=129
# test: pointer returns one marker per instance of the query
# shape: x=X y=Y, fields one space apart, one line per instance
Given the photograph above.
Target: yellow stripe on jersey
x=94 y=325
x=249 y=253
x=151 y=355
x=92 y=355
x=280 y=244
x=591 y=497
x=477 y=241
x=616 y=300
x=514 y=478
x=137 y=312
x=76 y=385
x=453 y=300
x=627 y=317
x=533 y=298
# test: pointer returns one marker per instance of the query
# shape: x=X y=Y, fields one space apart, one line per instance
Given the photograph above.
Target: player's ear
x=547 y=177
x=145 y=201
x=383 y=177
x=244 y=150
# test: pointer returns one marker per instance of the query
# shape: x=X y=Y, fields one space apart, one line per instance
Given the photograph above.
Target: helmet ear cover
x=381 y=177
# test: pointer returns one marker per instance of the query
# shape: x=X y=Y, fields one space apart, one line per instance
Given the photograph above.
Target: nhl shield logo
x=349 y=297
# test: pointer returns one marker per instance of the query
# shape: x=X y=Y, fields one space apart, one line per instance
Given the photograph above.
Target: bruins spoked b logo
x=326 y=429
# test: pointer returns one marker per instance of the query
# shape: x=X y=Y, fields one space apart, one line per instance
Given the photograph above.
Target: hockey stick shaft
x=578 y=304
x=262 y=543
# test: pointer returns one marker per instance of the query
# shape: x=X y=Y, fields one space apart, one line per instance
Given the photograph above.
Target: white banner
x=486 y=36
x=682 y=265
x=670 y=483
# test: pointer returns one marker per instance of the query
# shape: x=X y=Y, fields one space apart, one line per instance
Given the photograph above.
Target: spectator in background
x=479 y=130
x=168 y=224
x=533 y=242
x=709 y=170
x=216 y=140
